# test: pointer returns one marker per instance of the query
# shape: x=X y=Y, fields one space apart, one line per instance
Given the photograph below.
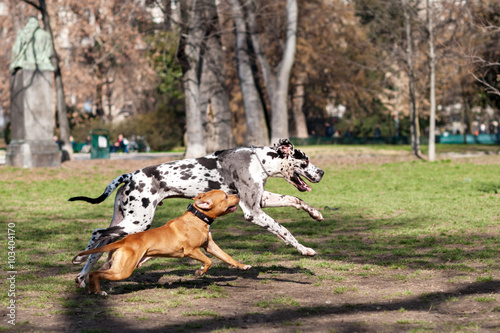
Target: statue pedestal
x=32 y=121
x=30 y=154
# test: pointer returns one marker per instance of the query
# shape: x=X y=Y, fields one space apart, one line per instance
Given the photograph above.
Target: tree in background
x=483 y=56
x=350 y=56
x=414 y=124
x=189 y=55
x=343 y=71
x=432 y=81
x=257 y=129
x=276 y=79
x=60 y=94
x=214 y=104
x=208 y=115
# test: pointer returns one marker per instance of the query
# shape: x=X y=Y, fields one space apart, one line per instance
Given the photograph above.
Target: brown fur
x=181 y=237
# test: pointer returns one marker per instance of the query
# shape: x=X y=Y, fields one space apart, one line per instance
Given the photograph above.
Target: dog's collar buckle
x=207 y=219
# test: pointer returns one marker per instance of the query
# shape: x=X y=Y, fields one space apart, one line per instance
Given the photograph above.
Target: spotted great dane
x=243 y=171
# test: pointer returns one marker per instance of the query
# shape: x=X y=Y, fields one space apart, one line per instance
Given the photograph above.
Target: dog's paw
x=199 y=272
x=306 y=251
x=80 y=282
x=316 y=215
x=103 y=293
x=245 y=267
x=77 y=260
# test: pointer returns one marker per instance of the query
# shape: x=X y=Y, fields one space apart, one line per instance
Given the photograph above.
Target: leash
x=207 y=219
x=258 y=159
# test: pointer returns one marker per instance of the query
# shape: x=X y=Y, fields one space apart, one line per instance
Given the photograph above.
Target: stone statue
x=32 y=49
x=31 y=100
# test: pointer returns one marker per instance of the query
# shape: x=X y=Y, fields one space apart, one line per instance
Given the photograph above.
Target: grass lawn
x=406 y=245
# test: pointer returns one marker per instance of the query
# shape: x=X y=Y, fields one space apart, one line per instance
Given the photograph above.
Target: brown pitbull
x=181 y=237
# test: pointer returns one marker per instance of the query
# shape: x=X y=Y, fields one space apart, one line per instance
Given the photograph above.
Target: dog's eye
x=304 y=164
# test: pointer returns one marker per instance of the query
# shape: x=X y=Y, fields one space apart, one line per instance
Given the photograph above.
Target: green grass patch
x=481 y=279
x=201 y=313
x=485 y=299
x=278 y=302
x=344 y=289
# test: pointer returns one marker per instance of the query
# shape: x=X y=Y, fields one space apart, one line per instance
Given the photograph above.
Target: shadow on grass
x=105 y=321
x=184 y=278
x=287 y=315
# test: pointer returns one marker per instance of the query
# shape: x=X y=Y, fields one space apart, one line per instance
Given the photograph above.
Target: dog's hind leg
x=101 y=237
x=121 y=266
x=270 y=199
x=80 y=278
x=97 y=234
x=109 y=235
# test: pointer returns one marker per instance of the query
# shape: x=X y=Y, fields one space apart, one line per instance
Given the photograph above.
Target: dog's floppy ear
x=204 y=204
x=284 y=147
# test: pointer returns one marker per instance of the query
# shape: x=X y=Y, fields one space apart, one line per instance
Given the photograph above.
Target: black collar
x=207 y=219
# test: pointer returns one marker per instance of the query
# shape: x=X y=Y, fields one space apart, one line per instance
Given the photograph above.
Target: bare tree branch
x=29 y=2
x=488 y=87
x=479 y=62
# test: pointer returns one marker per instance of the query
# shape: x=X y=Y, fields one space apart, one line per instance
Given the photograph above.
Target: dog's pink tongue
x=308 y=188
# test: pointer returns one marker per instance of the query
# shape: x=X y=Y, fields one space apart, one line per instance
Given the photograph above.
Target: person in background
x=121 y=143
x=329 y=130
x=377 y=133
x=57 y=142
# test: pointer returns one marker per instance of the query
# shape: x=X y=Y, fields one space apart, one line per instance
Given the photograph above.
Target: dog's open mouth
x=231 y=209
x=299 y=183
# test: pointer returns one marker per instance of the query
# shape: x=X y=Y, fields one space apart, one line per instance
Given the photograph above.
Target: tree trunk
x=257 y=132
x=189 y=53
x=432 y=69
x=280 y=109
x=213 y=90
x=414 y=128
x=277 y=85
x=299 y=119
x=467 y=119
x=60 y=96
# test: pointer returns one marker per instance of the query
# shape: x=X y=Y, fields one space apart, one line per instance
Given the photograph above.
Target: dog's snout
x=321 y=173
x=235 y=197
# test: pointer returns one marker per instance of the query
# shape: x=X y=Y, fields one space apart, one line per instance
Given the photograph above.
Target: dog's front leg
x=258 y=217
x=270 y=199
x=214 y=249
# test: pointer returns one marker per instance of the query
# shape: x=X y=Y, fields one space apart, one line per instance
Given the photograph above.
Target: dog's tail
x=107 y=192
x=105 y=248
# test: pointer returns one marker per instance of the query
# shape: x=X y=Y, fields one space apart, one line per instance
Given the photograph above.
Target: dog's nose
x=321 y=173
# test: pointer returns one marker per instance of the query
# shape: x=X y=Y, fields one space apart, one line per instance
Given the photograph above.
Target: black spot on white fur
x=208 y=163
